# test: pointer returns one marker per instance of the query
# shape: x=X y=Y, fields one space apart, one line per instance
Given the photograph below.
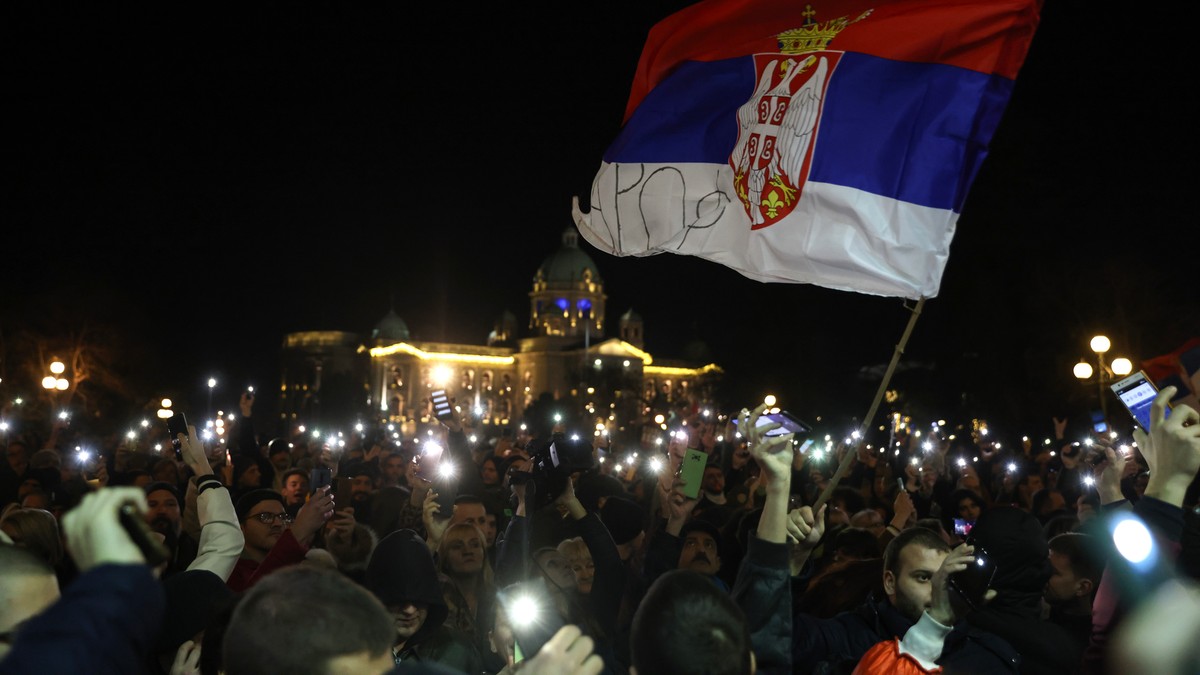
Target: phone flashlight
x=445 y=469
x=656 y=464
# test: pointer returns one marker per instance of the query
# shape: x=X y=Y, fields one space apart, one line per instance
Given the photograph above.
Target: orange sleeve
x=885 y=659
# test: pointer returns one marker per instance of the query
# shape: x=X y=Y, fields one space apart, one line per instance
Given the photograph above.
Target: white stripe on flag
x=837 y=237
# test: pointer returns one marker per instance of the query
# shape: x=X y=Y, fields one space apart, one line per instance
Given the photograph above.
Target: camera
x=552 y=465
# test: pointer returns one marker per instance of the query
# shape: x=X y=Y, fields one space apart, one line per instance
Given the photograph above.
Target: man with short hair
x=273 y=540
x=1073 y=580
x=295 y=490
x=909 y=564
x=28 y=586
x=279 y=454
x=685 y=624
x=308 y=620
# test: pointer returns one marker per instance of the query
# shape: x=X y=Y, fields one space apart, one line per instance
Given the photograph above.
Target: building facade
x=566 y=362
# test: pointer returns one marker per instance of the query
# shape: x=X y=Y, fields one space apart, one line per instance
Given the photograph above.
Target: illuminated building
x=567 y=356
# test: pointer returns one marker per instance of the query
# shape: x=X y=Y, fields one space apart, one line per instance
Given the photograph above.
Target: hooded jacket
x=402 y=570
x=1014 y=540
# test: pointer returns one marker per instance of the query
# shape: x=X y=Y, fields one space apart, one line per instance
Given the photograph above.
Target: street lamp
x=212 y=383
x=55 y=382
x=1105 y=374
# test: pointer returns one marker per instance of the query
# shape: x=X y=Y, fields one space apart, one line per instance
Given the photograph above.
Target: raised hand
x=773 y=453
x=312 y=516
x=804 y=528
x=1172 y=449
x=435 y=526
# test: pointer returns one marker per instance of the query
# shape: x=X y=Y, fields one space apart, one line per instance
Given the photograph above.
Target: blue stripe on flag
x=915 y=132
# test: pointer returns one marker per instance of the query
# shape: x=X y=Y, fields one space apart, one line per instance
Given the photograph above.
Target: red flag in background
x=1180 y=369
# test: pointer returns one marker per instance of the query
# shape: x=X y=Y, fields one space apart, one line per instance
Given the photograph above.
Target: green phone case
x=692 y=472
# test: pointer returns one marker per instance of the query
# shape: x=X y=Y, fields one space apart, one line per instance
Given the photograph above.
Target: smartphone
x=1135 y=559
x=343 y=494
x=1137 y=392
x=319 y=477
x=531 y=614
x=1099 y=424
x=789 y=423
x=441 y=404
x=972 y=583
x=691 y=470
x=963 y=527
x=177 y=424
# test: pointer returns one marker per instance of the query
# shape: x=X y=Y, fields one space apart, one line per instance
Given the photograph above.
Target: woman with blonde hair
x=467 y=582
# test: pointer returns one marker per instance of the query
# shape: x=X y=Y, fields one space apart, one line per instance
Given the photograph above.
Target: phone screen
x=441 y=403
x=788 y=423
x=963 y=527
x=1137 y=393
x=344 y=495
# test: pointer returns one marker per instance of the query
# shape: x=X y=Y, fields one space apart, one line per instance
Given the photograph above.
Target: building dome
x=631 y=315
x=568 y=264
x=390 y=328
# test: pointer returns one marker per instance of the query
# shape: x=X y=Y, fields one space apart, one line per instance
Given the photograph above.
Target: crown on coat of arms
x=813 y=36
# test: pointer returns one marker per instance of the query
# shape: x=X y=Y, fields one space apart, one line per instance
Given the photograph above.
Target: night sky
x=195 y=185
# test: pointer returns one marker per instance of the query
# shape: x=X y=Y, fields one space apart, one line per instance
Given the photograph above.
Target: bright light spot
x=927 y=446
x=316 y=434
x=625 y=363
x=63 y=415
x=1088 y=480
x=166 y=403
x=720 y=439
x=658 y=441
x=574 y=437
x=473 y=438
x=656 y=464
x=145 y=424
x=1053 y=453
x=446 y=470
x=1112 y=435
x=130 y=434
x=212 y=382
x=914 y=461
x=1100 y=344
x=659 y=419
x=597 y=363
x=358 y=427
x=1012 y=467
x=855 y=435
x=84 y=455
x=57 y=367
x=440 y=375
x=1133 y=540
x=941 y=423
x=1087 y=442
x=557 y=417
x=983 y=431
x=769 y=399
x=961 y=462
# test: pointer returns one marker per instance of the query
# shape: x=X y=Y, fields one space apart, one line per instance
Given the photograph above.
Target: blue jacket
x=105 y=622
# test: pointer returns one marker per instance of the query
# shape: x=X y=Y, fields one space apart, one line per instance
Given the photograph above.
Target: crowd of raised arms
x=729 y=548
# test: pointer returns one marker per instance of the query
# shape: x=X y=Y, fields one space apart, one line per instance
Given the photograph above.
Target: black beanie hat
x=248 y=501
x=164 y=485
x=624 y=519
x=1015 y=541
x=193 y=598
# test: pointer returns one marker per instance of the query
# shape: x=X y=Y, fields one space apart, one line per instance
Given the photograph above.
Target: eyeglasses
x=266 y=518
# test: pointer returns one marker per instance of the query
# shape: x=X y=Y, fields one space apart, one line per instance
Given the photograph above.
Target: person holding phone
x=1172 y=451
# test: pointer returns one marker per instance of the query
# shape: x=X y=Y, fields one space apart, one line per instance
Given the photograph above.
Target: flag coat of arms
x=831 y=143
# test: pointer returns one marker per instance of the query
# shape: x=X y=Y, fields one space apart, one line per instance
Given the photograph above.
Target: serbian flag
x=831 y=143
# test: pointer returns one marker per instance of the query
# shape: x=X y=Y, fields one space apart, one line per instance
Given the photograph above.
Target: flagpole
x=844 y=466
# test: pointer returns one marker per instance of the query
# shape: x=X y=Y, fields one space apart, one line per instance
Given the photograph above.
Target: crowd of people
x=544 y=552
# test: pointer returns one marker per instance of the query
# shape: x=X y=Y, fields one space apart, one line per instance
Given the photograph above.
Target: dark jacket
x=826 y=646
x=401 y=570
x=105 y=622
x=764 y=592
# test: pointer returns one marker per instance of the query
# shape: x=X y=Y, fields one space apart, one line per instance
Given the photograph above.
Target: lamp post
x=55 y=382
x=1105 y=374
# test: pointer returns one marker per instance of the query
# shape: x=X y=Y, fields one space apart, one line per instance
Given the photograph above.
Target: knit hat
x=193 y=598
x=163 y=485
x=1014 y=540
x=624 y=519
x=248 y=501
x=594 y=485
